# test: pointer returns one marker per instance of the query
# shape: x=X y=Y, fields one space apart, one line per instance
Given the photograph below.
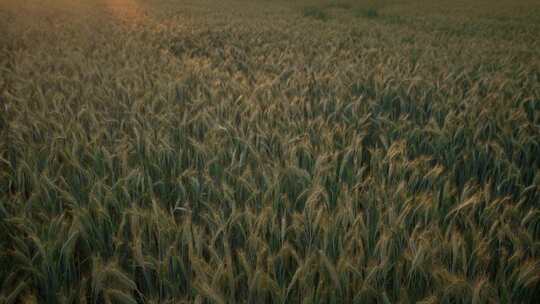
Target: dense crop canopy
x=269 y=151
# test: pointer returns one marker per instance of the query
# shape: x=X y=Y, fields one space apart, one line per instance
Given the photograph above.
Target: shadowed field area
x=259 y=151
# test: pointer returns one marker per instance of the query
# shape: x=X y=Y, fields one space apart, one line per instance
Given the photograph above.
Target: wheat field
x=269 y=151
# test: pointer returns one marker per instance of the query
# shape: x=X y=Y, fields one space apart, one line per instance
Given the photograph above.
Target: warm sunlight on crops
x=269 y=151
x=128 y=10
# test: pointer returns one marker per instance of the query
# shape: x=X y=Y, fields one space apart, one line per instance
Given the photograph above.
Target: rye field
x=269 y=151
